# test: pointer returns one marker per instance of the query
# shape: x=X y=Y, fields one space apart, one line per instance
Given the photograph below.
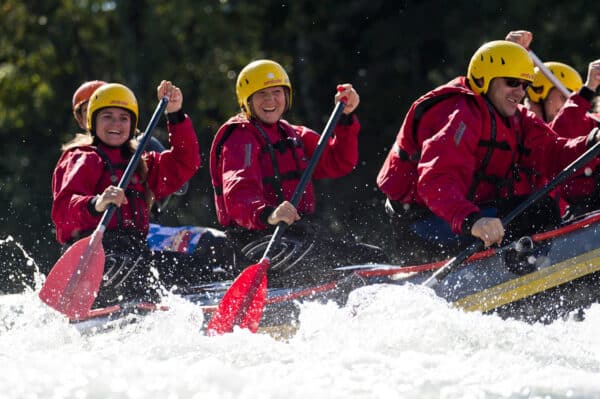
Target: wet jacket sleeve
x=551 y=153
x=169 y=170
x=73 y=186
x=447 y=165
x=341 y=153
x=572 y=120
x=243 y=191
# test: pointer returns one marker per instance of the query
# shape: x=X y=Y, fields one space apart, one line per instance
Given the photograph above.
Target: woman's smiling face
x=113 y=126
x=268 y=104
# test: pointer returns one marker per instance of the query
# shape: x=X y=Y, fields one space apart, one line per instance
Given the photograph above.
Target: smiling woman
x=257 y=163
x=84 y=187
x=115 y=102
x=269 y=104
x=113 y=126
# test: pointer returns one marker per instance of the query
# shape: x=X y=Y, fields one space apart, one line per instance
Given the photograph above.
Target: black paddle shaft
x=124 y=182
x=478 y=244
x=306 y=176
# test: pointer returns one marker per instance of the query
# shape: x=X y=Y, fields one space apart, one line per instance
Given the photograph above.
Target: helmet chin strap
x=543 y=107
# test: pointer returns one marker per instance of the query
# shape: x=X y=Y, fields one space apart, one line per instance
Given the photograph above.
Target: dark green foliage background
x=391 y=50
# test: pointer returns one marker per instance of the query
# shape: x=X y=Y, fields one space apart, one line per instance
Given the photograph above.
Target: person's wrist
x=587 y=93
x=92 y=206
x=469 y=222
x=176 y=117
x=346 y=119
x=265 y=215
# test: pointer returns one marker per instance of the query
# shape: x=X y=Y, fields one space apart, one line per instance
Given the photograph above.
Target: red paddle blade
x=73 y=282
x=243 y=303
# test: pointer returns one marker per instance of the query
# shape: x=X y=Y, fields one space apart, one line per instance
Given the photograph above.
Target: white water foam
x=388 y=342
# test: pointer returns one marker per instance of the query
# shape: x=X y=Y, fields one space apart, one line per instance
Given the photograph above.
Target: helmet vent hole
x=502 y=60
x=491 y=59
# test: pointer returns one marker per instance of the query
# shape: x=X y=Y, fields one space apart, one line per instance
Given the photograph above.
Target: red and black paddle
x=243 y=303
x=73 y=283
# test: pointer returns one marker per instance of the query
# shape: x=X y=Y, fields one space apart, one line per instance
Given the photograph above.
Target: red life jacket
x=281 y=165
x=398 y=175
x=135 y=213
x=79 y=168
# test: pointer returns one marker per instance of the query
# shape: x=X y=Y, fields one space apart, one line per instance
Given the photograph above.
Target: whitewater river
x=387 y=342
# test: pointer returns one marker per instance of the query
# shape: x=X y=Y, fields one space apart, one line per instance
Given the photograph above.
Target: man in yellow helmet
x=256 y=161
x=468 y=152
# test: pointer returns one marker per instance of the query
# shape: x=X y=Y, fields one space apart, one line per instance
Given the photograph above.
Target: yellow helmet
x=499 y=58
x=112 y=95
x=539 y=89
x=259 y=75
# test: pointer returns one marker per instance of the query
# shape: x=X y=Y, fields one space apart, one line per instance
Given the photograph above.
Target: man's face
x=506 y=94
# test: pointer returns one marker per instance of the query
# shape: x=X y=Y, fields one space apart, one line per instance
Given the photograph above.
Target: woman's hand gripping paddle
x=243 y=303
x=73 y=283
x=567 y=172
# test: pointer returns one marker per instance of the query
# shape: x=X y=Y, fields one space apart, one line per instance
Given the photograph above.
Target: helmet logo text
x=272 y=82
x=119 y=102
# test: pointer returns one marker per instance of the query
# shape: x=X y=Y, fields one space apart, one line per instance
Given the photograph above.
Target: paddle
x=478 y=244
x=73 y=283
x=243 y=303
x=548 y=73
x=554 y=80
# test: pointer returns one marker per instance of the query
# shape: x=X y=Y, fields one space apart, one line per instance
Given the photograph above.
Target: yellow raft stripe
x=532 y=283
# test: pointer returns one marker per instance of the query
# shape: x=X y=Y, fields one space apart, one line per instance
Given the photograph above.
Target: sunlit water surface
x=387 y=342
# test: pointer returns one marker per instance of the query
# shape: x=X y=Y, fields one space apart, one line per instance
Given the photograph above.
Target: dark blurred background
x=391 y=50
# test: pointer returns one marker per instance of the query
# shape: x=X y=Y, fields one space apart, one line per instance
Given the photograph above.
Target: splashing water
x=19 y=271
x=388 y=341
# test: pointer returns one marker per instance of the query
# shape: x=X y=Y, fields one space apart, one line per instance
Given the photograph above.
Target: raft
x=540 y=278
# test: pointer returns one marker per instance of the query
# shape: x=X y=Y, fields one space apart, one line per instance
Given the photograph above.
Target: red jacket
x=81 y=173
x=242 y=169
x=574 y=120
x=456 y=135
x=397 y=178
